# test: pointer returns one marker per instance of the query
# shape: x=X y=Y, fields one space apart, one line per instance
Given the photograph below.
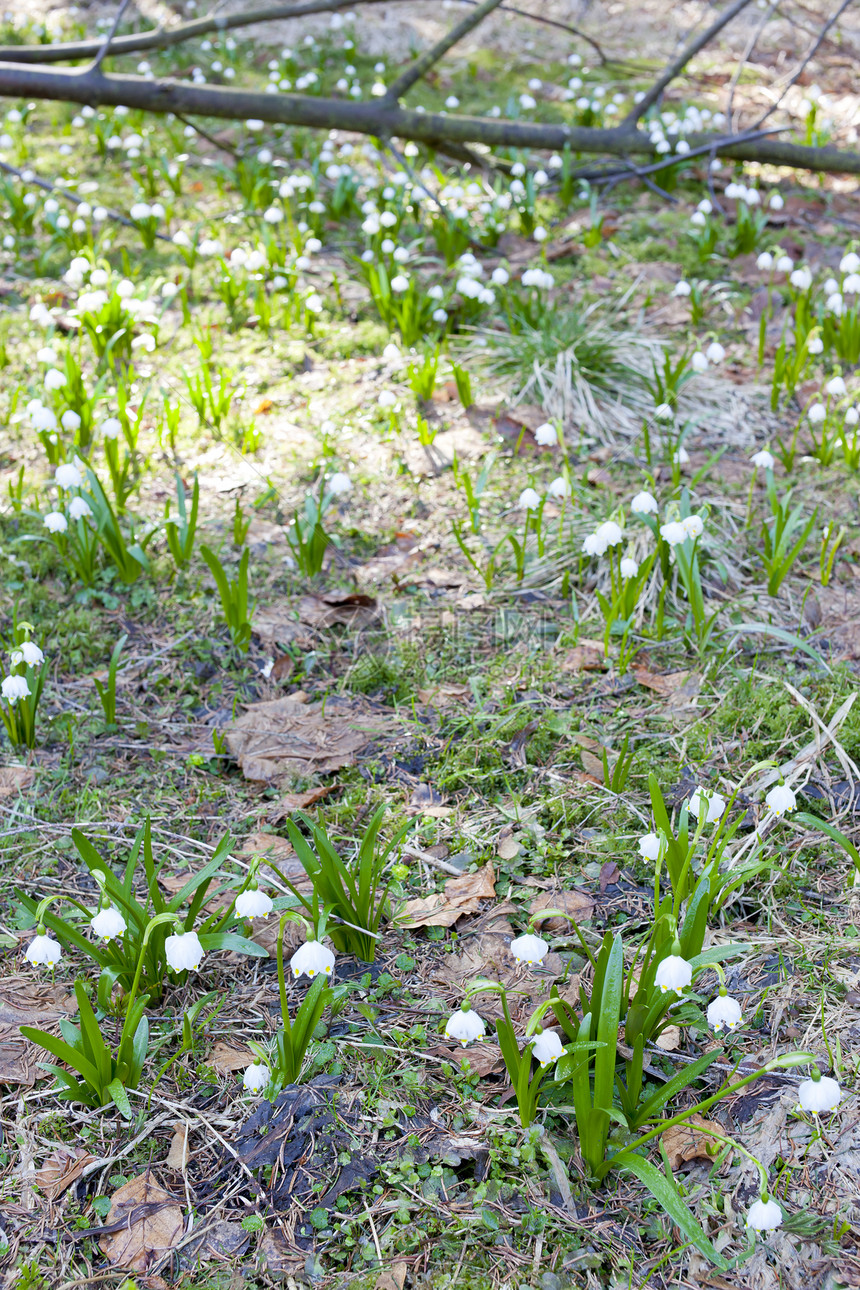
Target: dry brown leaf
x=288 y=803
x=279 y=625
x=461 y=896
x=577 y=906
x=178 y=1155
x=392 y=1279
x=282 y=737
x=271 y=845
x=28 y=1001
x=586 y=656
x=484 y=1059
x=60 y=1169
x=14 y=779
x=338 y=609
x=225 y=1058
x=593 y=765
x=152 y=1223
x=686 y=1141
x=445 y=696
x=507 y=847
x=278 y=1259
x=669 y=1040
x=683 y=686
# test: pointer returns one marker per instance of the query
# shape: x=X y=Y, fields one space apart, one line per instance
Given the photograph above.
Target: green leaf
x=119 y=1098
x=232 y=941
x=780 y=634
x=813 y=822
x=607 y=1027
x=665 y=1192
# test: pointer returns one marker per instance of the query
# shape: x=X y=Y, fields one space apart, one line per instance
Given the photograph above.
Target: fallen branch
x=385 y=120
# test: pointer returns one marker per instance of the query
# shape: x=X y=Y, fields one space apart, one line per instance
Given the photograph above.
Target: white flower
x=776 y=201
x=500 y=276
x=610 y=533
x=801 y=278
x=815 y=345
x=339 y=484
x=547 y=1047
x=14 y=688
x=817 y=413
x=465 y=1025
x=27 y=652
x=693 y=526
x=253 y=903
x=764 y=261
x=763 y=459
x=698 y=362
x=399 y=284
x=68 y=476
x=673 y=973
x=649 y=846
x=715 y=352
x=664 y=412
x=836 y=386
x=108 y=923
x=724 y=1012
x=852 y=416
x=54 y=379
x=55 y=522
x=698 y=218
x=764 y=1216
x=559 y=487
x=70 y=421
x=682 y=288
x=111 y=428
x=715 y=803
x=256 y=1077
x=849 y=263
x=529 y=500
x=183 y=950
x=629 y=567
x=784 y=264
x=529 y=949
x=818 y=1095
x=387 y=399
x=43 y=952
x=311 y=958
x=644 y=504
x=673 y=532
x=140 y=210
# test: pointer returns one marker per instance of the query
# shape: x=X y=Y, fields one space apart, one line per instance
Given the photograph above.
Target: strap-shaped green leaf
x=232 y=941
x=665 y=1192
x=607 y=1027
x=119 y=1097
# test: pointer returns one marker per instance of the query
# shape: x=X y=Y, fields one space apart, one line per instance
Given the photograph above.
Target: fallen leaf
x=225 y=1058
x=152 y=1223
x=338 y=609
x=507 y=847
x=393 y=1279
x=685 y=1141
x=286 y=736
x=278 y=625
x=461 y=896
x=484 y=1059
x=269 y=844
x=14 y=779
x=178 y=1154
x=586 y=656
x=282 y=667
x=671 y=685
x=424 y=796
x=445 y=695
x=60 y=1169
x=289 y=803
x=669 y=1040
x=576 y=906
x=28 y=1001
x=609 y=872
x=278 y=1258
x=593 y=765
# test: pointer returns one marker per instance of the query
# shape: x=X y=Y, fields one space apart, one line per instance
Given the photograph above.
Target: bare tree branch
x=103 y=52
x=387 y=120
x=807 y=60
x=166 y=37
x=678 y=64
x=751 y=44
x=425 y=61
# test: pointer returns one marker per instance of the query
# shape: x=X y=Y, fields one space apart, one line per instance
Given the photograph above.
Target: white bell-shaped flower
x=703 y=799
x=108 y=923
x=43 y=951
x=763 y=459
x=781 y=799
x=649 y=846
x=311 y=958
x=644 y=504
x=818 y=1095
x=674 y=973
x=547 y=1047
x=764 y=1216
x=256 y=1077
x=339 y=484
x=529 y=500
x=724 y=1013
x=14 y=688
x=183 y=951
x=529 y=949
x=253 y=903
x=465 y=1025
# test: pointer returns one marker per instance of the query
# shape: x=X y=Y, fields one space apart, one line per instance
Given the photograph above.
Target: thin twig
x=807 y=60
x=678 y=64
x=430 y=57
x=751 y=44
x=67 y=195
x=103 y=52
